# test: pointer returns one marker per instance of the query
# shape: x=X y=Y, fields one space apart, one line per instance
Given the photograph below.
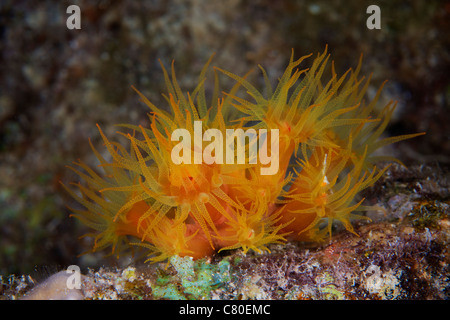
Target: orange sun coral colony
x=325 y=133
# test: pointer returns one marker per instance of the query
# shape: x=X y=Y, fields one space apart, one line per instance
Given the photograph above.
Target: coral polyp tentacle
x=318 y=132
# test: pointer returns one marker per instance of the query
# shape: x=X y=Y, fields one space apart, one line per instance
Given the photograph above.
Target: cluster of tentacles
x=327 y=134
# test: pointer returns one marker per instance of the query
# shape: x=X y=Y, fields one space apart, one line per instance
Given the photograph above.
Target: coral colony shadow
x=200 y=179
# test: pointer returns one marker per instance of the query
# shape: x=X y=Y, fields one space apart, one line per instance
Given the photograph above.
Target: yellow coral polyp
x=316 y=195
x=253 y=231
x=328 y=133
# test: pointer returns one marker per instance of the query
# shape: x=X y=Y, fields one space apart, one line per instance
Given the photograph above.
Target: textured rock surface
x=403 y=254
